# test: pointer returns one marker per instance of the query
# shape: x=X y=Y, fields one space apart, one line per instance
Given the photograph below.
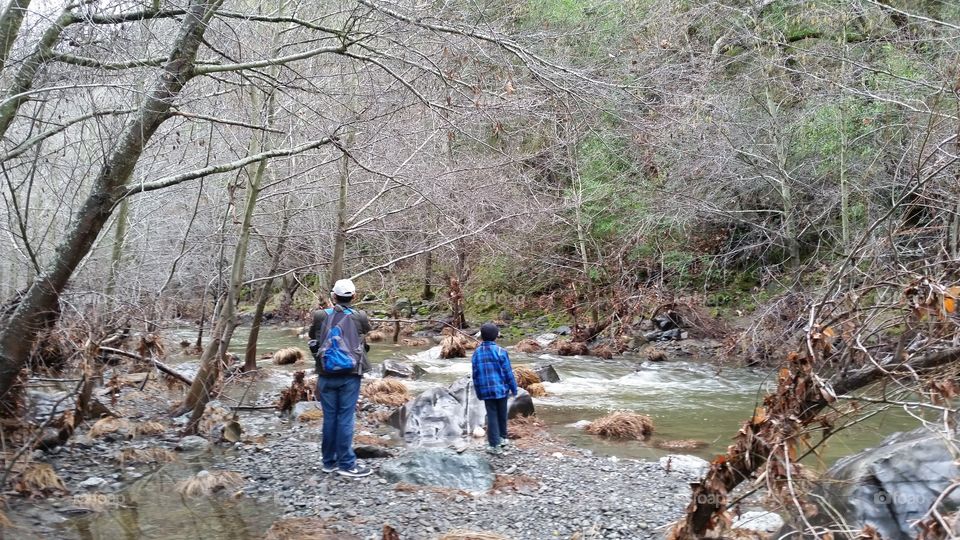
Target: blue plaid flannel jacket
x=492 y=374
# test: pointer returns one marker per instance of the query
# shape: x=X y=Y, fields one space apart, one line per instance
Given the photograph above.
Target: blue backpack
x=341 y=351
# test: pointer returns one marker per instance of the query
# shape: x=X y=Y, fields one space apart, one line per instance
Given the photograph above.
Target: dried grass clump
x=572 y=348
x=149 y=428
x=655 y=355
x=453 y=347
x=525 y=427
x=312 y=415
x=206 y=483
x=375 y=336
x=290 y=355
x=415 y=342
x=528 y=346
x=681 y=444
x=622 y=425
x=38 y=480
x=145 y=455
x=303 y=528
x=525 y=376
x=108 y=425
x=536 y=390
x=463 y=534
x=386 y=392
x=603 y=351
x=514 y=482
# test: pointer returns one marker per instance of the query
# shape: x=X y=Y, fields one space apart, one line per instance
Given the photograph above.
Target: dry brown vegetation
x=655 y=355
x=287 y=356
x=300 y=390
x=622 y=425
x=206 y=483
x=375 y=336
x=386 y=392
x=149 y=428
x=528 y=346
x=572 y=348
x=603 y=351
x=109 y=425
x=145 y=455
x=525 y=376
x=303 y=528
x=39 y=479
x=312 y=415
x=514 y=482
x=536 y=390
x=453 y=347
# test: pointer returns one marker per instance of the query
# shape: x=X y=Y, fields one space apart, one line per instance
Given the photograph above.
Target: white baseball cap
x=345 y=288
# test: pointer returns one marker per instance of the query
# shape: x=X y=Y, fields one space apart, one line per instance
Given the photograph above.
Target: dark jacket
x=359 y=318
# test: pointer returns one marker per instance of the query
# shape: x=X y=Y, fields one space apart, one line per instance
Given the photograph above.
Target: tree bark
x=42 y=297
x=250 y=356
x=10 y=23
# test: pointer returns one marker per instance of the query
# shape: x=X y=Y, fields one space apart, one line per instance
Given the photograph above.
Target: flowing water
x=686 y=399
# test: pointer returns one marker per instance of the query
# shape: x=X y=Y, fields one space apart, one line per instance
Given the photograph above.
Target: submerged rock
x=393 y=368
x=193 y=443
x=429 y=467
x=547 y=373
x=892 y=486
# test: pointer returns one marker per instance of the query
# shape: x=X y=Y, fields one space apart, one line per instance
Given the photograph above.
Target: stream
x=687 y=399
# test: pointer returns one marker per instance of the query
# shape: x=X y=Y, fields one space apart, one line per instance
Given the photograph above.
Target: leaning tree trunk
x=10 y=23
x=42 y=297
x=250 y=356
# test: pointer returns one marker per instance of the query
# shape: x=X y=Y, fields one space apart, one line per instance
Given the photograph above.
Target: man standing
x=341 y=360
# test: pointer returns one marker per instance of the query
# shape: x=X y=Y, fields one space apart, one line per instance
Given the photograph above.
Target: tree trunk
x=427 y=275
x=250 y=356
x=42 y=297
x=116 y=254
x=340 y=236
x=10 y=26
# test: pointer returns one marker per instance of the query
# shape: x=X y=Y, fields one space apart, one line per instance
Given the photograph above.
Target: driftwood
x=160 y=365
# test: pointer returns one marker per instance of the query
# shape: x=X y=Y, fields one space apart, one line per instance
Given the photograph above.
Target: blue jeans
x=338 y=399
x=496 y=420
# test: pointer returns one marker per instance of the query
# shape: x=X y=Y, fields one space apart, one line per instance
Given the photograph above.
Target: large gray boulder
x=547 y=373
x=442 y=415
x=432 y=467
x=891 y=486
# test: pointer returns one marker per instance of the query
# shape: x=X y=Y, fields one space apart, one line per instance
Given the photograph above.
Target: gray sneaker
x=328 y=470
x=495 y=450
x=504 y=443
x=356 y=472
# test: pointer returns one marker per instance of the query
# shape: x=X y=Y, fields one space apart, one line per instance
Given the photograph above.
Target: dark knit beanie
x=489 y=332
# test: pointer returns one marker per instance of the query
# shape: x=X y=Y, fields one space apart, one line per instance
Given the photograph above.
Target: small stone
x=93 y=482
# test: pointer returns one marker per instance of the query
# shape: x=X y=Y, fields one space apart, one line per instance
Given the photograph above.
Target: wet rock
x=562 y=330
x=426 y=467
x=547 y=373
x=303 y=406
x=93 y=482
x=684 y=465
x=393 y=368
x=521 y=405
x=546 y=339
x=669 y=320
x=892 y=486
x=192 y=443
x=369 y=451
x=758 y=521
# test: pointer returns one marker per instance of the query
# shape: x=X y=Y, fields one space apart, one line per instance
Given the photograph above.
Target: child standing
x=494 y=383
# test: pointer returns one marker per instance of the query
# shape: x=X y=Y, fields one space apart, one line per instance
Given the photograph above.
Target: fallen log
x=159 y=365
